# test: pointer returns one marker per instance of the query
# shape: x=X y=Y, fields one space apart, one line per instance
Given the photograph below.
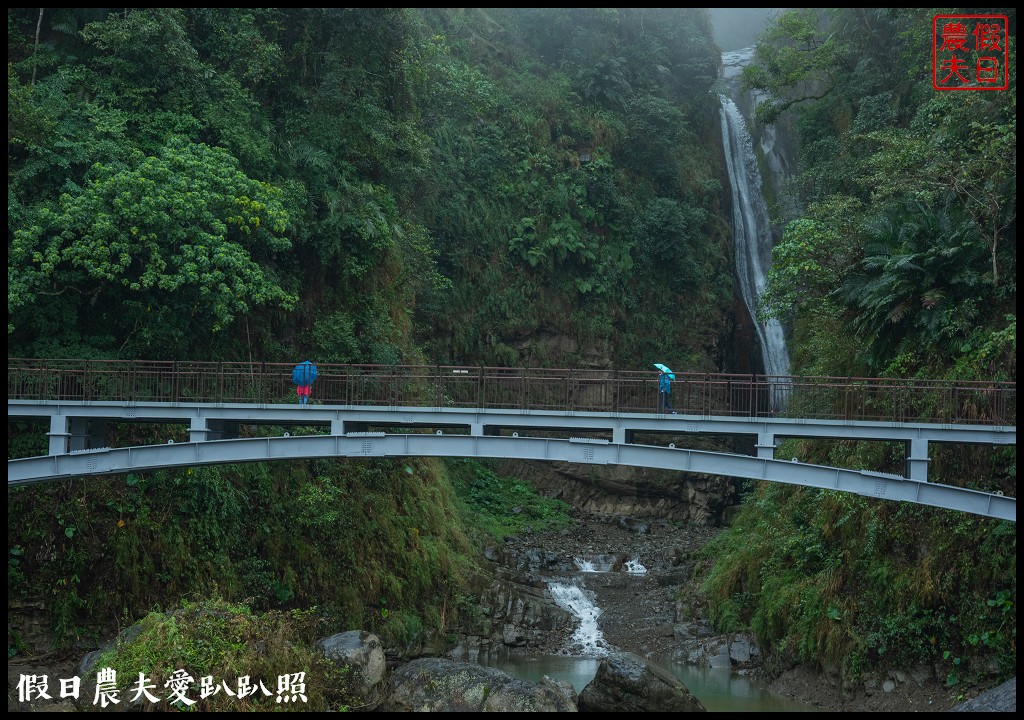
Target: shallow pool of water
x=719 y=690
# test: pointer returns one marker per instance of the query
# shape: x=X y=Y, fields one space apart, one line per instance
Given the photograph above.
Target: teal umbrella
x=665 y=369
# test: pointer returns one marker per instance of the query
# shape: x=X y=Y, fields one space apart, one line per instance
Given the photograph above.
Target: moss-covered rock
x=217 y=656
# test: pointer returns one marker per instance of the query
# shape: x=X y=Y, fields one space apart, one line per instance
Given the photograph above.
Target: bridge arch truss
x=481 y=433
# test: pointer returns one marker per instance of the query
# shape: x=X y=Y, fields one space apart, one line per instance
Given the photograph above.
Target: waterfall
x=588 y=637
x=751 y=227
x=635 y=567
x=598 y=563
x=585 y=565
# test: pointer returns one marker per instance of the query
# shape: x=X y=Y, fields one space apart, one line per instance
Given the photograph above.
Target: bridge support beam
x=621 y=435
x=598 y=452
x=58 y=434
x=197 y=431
x=203 y=429
x=766 y=445
x=917 y=460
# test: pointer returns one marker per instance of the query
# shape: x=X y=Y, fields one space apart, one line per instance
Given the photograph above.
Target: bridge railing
x=582 y=390
x=896 y=400
x=720 y=394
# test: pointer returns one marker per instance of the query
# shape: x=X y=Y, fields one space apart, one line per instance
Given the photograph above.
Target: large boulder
x=998 y=699
x=87 y=669
x=698 y=648
x=626 y=683
x=362 y=653
x=443 y=685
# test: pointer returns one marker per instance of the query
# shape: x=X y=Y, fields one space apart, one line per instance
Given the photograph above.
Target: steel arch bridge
x=591 y=417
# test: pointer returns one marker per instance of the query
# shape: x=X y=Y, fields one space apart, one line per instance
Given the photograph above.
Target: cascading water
x=599 y=563
x=588 y=639
x=751 y=227
x=635 y=567
x=585 y=565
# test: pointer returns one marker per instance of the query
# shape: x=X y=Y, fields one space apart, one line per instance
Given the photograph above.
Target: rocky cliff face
x=632 y=492
x=514 y=610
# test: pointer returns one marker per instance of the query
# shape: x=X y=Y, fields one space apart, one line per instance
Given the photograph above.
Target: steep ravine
x=641 y=614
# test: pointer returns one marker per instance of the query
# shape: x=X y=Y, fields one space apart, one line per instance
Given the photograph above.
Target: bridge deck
x=489 y=421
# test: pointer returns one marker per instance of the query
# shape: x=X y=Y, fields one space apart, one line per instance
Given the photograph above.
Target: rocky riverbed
x=640 y=567
x=640 y=612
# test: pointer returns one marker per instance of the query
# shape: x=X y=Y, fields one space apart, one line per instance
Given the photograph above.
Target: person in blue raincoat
x=664 y=390
x=303 y=376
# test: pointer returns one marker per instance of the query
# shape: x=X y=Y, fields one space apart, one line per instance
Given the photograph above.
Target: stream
x=718 y=689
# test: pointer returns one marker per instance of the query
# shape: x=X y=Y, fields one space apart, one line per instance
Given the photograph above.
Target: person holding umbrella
x=665 y=388
x=303 y=376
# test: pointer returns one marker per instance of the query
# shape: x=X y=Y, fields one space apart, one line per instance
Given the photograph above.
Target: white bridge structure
x=77 y=432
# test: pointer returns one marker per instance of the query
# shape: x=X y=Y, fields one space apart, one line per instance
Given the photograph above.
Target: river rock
x=999 y=699
x=516 y=611
x=442 y=685
x=363 y=654
x=564 y=687
x=736 y=651
x=626 y=683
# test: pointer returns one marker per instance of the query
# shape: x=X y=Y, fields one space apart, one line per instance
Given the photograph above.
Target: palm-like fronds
x=919 y=283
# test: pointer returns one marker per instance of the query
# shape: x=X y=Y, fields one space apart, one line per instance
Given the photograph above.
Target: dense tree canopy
x=899 y=261
x=165 y=245
x=444 y=184
x=533 y=186
x=908 y=233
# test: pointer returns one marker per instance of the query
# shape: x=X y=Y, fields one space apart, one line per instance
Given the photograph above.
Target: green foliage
x=28 y=124
x=401 y=149
x=25 y=439
x=334 y=338
x=226 y=642
x=542 y=205
x=605 y=83
x=794 y=52
x=828 y=578
x=919 y=283
x=811 y=259
x=181 y=233
x=889 y=274
x=274 y=536
x=989 y=353
x=667 y=241
x=501 y=506
x=903 y=239
x=656 y=131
